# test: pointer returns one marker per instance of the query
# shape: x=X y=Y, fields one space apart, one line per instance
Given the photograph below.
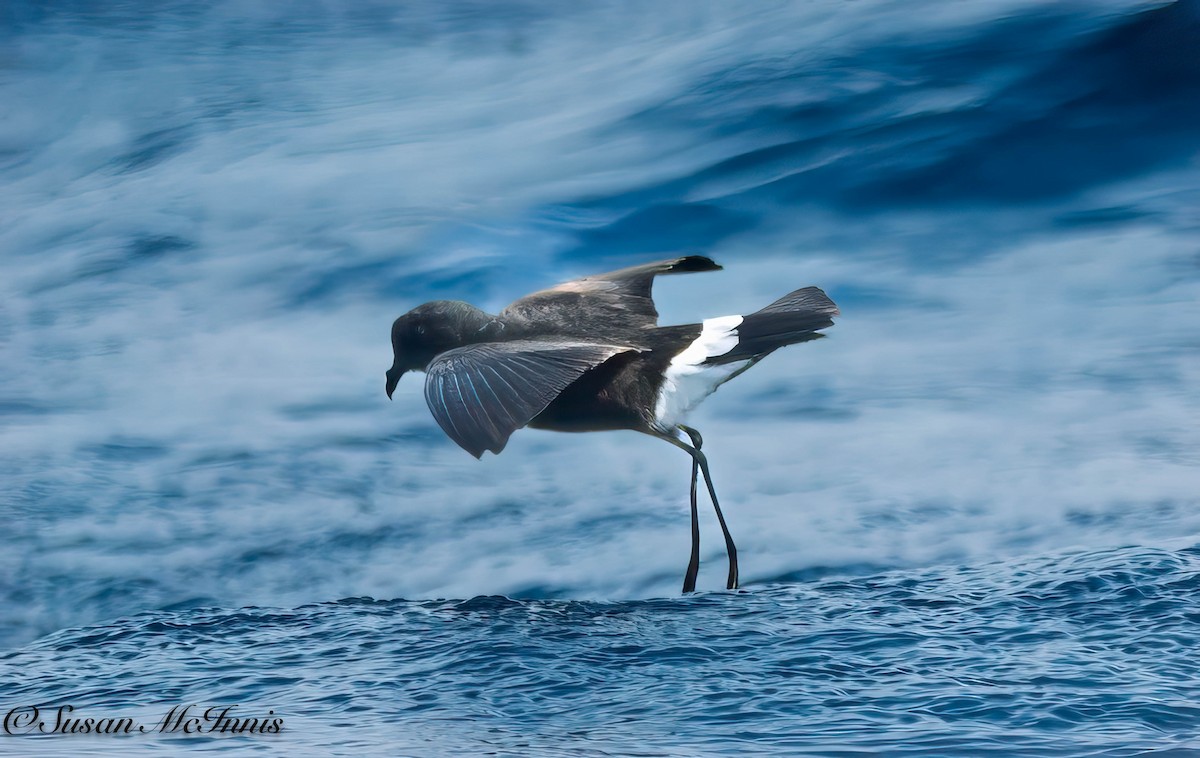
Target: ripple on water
x=1047 y=656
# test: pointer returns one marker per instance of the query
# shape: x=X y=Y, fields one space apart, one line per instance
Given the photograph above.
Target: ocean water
x=969 y=521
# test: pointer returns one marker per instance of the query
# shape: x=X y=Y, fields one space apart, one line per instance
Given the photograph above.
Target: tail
x=795 y=317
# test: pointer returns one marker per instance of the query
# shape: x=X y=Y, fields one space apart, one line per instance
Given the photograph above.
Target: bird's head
x=429 y=330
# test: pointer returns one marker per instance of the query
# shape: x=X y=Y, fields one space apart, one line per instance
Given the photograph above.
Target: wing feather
x=497 y=402
x=619 y=299
x=481 y=394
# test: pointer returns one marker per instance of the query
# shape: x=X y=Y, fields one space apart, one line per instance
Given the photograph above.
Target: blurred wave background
x=210 y=214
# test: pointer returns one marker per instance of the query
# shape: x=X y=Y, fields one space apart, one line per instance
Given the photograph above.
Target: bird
x=588 y=355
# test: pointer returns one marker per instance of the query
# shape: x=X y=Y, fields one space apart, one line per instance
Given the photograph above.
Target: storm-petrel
x=588 y=355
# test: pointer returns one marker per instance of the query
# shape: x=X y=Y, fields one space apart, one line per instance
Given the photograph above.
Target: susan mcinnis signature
x=181 y=719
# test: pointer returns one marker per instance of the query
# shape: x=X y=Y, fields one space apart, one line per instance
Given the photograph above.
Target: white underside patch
x=687 y=381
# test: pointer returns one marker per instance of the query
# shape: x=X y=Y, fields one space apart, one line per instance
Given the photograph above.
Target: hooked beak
x=393 y=378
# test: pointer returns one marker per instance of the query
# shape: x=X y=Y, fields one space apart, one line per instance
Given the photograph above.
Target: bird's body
x=588 y=355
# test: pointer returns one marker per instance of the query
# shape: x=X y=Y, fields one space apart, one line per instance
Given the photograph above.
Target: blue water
x=968 y=521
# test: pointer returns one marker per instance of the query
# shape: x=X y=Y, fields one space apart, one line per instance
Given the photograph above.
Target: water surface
x=967 y=520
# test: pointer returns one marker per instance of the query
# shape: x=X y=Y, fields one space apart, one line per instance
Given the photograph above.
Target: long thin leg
x=730 y=548
x=689 y=578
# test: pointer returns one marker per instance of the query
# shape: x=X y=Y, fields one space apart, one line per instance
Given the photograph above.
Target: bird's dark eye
x=420 y=329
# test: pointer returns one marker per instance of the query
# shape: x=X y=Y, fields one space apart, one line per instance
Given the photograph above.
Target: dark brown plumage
x=588 y=355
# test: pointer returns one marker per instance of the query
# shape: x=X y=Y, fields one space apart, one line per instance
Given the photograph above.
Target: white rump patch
x=688 y=381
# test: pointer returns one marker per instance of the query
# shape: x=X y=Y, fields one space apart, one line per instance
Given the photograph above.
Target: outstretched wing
x=619 y=299
x=481 y=394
